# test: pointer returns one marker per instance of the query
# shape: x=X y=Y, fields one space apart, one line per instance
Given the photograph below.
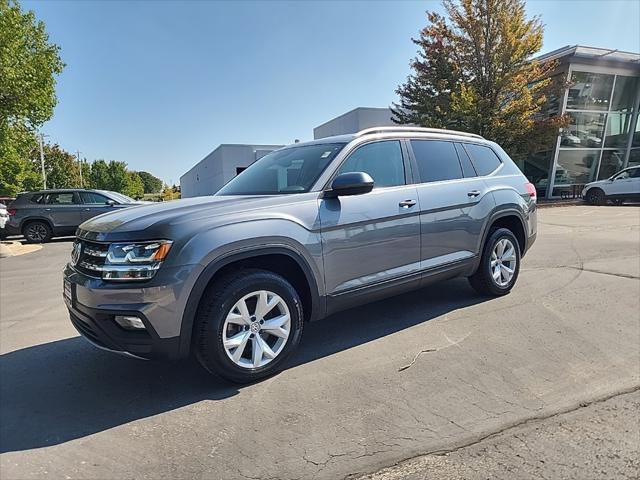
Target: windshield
x=119 y=197
x=291 y=170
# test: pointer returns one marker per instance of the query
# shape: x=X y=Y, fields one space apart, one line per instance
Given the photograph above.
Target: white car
x=624 y=185
x=4 y=218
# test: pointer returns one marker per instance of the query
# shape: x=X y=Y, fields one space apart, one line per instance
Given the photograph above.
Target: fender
x=318 y=306
x=508 y=212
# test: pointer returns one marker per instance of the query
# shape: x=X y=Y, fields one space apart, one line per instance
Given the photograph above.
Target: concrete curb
x=566 y=203
x=12 y=249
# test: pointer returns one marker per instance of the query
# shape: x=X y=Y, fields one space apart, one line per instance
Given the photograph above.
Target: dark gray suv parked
x=305 y=231
x=41 y=215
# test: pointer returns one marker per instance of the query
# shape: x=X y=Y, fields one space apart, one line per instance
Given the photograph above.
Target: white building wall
x=354 y=121
x=220 y=166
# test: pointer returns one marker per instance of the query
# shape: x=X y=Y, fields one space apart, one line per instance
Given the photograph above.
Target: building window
x=594 y=144
x=576 y=167
x=589 y=91
x=624 y=93
x=612 y=161
x=636 y=134
x=617 y=134
x=585 y=130
x=634 y=157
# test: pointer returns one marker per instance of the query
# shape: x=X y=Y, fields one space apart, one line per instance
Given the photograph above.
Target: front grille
x=91 y=257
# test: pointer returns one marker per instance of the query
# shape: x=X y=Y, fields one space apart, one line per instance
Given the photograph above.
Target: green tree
x=135 y=186
x=61 y=168
x=117 y=174
x=28 y=66
x=474 y=72
x=99 y=177
x=152 y=184
x=17 y=172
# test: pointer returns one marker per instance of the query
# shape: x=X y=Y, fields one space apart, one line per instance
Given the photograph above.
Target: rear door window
x=61 y=198
x=437 y=160
x=92 y=198
x=484 y=159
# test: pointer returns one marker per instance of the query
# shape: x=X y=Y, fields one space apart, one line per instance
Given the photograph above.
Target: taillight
x=11 y=211
x=531 y=190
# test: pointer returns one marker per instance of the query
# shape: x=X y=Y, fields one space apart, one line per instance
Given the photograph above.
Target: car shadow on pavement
x=63 y=390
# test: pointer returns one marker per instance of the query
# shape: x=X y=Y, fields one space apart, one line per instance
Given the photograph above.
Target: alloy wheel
x=37 y=232
x=256 y=329
x=503 y=262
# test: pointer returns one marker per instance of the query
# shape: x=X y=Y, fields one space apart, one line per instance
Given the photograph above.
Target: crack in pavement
x=507 y=428
x=583 y=269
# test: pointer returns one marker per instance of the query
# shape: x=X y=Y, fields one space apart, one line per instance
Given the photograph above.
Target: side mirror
x=111 y=203
x=350 y=183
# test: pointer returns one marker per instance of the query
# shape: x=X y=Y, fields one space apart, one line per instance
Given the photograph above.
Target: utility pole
x=80 y=165
x=44 y=175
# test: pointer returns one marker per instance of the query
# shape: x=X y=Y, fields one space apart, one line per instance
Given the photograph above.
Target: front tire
x=247 y=325
x=596 y=196
x=37 y=231
x=499 y=264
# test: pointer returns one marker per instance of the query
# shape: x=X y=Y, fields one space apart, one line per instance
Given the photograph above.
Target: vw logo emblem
x=75 y=253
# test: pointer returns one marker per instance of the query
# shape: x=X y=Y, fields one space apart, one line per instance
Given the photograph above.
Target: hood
x=155 y=217
x=599 y=182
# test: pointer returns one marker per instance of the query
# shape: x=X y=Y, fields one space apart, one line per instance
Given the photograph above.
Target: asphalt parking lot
x=567 y=338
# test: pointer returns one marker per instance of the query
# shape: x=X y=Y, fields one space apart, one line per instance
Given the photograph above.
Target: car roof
x=62 y=190
x=395 y=132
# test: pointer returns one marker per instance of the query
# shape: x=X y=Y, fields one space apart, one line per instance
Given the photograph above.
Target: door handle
x=47 y=209
x=87 y=209
x=407 y=203
x=473 y=193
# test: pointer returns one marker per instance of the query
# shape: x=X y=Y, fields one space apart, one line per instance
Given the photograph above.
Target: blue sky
x=159 y=84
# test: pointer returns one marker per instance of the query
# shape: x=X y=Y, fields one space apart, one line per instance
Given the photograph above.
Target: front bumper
x=93 y=305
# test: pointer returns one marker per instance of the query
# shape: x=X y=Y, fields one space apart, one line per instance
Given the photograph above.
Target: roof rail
x=408 y=129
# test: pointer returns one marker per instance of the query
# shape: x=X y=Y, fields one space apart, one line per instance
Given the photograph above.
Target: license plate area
x=67 y=293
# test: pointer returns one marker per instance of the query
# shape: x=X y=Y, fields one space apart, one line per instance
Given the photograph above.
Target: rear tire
x=37 y=231
x=499 y=264
x=232 y=312
x=596 y=196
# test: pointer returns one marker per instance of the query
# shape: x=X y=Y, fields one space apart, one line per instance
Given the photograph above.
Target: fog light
x=129 y=322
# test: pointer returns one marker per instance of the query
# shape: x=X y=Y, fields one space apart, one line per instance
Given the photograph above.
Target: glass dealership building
x=603 y=136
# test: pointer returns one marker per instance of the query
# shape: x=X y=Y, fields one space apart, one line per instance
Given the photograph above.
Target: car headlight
x=134 y=260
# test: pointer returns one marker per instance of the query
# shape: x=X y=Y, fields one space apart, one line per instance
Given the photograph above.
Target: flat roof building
x=209 y=175
x=354 y=121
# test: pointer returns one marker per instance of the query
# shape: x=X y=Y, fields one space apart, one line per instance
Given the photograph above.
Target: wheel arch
x=277 y=259
x=26 y=221
x=509 y=218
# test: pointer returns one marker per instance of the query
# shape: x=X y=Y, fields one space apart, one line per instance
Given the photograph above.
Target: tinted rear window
x=484 y=159
x=436 y=160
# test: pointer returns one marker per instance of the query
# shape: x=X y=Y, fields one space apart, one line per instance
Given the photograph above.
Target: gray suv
x=41 y=215
x=306 y=231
